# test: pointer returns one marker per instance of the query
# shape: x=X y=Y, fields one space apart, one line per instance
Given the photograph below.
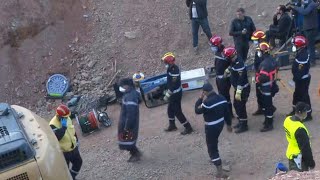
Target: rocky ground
x=93 y=41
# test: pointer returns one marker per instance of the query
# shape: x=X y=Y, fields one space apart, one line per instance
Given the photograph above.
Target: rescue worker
x=215 y=112
x=301 y=76
x=64 y=130
x=299 y=151
x=174 y=95
x=257 y=37
x=221 y=64
x=266 y=78
x=128 y=128
x=239 y=80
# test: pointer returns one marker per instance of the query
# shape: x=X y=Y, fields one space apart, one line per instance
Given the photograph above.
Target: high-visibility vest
x=290 y=128
x=69 y=141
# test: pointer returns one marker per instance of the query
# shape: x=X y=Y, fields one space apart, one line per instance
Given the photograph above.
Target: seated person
x=280 y=27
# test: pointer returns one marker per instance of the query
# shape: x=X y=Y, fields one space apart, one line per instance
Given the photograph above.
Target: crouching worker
x=63 y=128
x=215 y=110
x=299 y=151
x=129 y=119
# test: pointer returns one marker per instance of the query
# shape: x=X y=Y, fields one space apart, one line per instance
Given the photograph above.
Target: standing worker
x=257 y=37
x=239 y=80
x=174 y=95
x=310 y=25
x=128 y=128
x=199 y=17
x=215 y=112
x=63 y=128
x=221 y=64
x=241 y=29
x=266 y=78
x=301 y=76
x=299 y=151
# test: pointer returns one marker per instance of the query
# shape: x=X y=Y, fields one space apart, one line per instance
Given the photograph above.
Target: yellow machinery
x=29 y=150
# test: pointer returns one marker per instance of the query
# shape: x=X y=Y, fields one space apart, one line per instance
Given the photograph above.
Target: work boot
x=188 y=129
x=135 y=157
x=242 y=128
x=237 y=125
x=73 y=175
x=258 y=112
x=308 y=118
x=220 y=173
x=172 y=127
x=266 y=128
x=196 y=50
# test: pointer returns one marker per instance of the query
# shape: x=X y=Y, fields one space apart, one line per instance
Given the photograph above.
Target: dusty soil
x=251 y=155
x=89 y=41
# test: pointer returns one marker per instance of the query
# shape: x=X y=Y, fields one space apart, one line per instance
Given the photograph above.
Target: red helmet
x=229 y=52
x=63 y=111
x=264 y=47
x=257 y=35
x=216 y=40
x=168 y=58
x=299 y=41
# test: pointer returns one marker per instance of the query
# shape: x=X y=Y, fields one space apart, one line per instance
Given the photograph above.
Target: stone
x=82 y=83
x=91 y=64
x=97 y=80
x=130 y=34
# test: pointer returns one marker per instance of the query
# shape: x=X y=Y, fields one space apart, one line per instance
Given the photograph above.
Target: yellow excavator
x=29 y=150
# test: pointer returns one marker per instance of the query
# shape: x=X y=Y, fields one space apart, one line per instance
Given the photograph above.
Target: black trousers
x=174 y=108
x=242 y=50
x=240 y=106
x=75 y=159
x=268 y=109
x=212 y=135
x=301 y=92
x=259 y=96
x=273 y=33
x=224 y=85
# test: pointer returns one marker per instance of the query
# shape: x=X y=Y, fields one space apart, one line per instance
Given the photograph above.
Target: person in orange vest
x=299 y=151
x=64 y=130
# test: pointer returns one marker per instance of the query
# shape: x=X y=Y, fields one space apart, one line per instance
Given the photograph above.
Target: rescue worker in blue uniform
x=239 y=80
x=301 y=76
x=174 y=95
x=128 y=127
x=64 y=130
x=299 y=151
x=221 y=64
x=257 y=37
x=216 y=113
x=266 y=78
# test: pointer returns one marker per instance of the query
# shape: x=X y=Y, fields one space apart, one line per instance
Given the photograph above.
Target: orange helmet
x=264 y=47
x=257 y=35
x=216 y=40
x=299 y=41
x=63 y=111
x=229 y=52
x=168 y=58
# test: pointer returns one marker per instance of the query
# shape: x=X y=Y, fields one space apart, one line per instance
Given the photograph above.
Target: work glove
x=167 y=95
x=64 y=122
x=227 y=73
x=238 y=95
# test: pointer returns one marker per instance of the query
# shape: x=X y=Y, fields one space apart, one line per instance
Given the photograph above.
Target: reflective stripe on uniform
x=177 y=90
x=73 y=171
x=267 y=83
x=214 y=122
x=243 y=119
x=216 y=159
x=127 y=143
x=214 y=105
x=265 y=93
x=129 y=103
x=220 y=76
x=303 y=62
x=242 y=87
x=174 y=75
x=239 y=69
x=185 y=123
x=305 y=76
